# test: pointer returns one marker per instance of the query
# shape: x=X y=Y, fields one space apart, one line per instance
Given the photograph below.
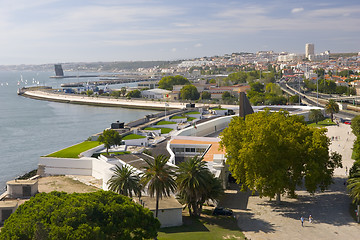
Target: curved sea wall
x=101 y=101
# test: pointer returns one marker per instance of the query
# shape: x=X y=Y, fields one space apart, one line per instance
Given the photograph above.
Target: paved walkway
x=261 y=219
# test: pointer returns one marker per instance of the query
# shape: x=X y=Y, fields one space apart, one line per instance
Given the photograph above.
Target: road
x=308 y=98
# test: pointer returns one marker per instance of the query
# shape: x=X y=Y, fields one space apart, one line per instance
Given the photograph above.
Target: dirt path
x=262 y=219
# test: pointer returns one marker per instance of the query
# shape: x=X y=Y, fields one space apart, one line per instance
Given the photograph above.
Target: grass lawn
x=206 y=227
x=190 y=118
x=189 y=113
x=132 y=136
x=165 y=123
x=163 y=130
x=74 y=151
x=177 y=117
x=166 y=130
x=324 y=123
x=151 y=128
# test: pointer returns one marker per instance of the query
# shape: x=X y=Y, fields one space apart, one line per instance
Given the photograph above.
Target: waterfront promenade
x=113 y=102
x=102 y=101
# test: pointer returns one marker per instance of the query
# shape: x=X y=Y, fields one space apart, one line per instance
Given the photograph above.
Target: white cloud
x=173 y=49
x=138 y=42
x=198 y=45
x=297 y=10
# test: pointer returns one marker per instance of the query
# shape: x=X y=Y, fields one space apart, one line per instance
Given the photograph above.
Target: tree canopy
x=110 y=138
x=355 y=125
x=134 y=94
x=272 y=153
x=98 y=215
x=205 y=95
x=189 y=92
x=315 y=115
x=354 y=183
x=169 y=81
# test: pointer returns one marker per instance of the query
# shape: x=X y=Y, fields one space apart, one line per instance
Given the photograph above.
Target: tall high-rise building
x=309 y=49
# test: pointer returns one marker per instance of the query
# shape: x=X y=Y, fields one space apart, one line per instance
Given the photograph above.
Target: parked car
x=222 y=211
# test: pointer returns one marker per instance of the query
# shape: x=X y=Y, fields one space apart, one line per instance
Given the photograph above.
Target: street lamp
x=166 y=105
x=317 y=91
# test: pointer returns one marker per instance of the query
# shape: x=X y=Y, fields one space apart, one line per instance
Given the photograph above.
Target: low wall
x=206 y=128
x=66 y=166
x=170 y=217
x=101 y=169
x=90 y=152
x=136 y=142
x=172 y=126
x=137 y=122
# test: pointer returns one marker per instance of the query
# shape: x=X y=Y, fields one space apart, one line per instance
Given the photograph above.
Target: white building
x=156 y=93
x=309 y=49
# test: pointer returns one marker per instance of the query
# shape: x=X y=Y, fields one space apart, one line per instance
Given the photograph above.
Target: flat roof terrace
x=136 y=161
x=194 y=141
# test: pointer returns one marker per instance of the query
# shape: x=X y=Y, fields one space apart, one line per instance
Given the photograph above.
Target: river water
x=31 y=128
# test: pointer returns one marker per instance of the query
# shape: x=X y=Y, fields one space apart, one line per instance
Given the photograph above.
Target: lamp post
x=166 y=105
x=299 y=93
x=317 y=91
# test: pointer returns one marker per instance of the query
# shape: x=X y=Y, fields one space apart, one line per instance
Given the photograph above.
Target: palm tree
x=125 y=181
x=196 y=184
x=332 y=107
x=159 y=178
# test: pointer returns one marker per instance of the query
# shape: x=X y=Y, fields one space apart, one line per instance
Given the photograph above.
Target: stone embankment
x=101 y=101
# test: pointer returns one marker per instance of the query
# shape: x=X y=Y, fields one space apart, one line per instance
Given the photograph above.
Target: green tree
x=110 y=138
x=196 y=185
x=96 y=215
x=294 y=99
x=315 y=115
x=205 y=95
x=159 y=178
x=169 y=81
x=272 y=153
x=257 y=87
x=354 y=184
x=355 y=125
x=123 y=91
x=273 y=88
x=226 y=95
x=189 y=92
x=320 y=72
x=125 y=181
x=134 y=94
x=89 y=93
x=331 y=107
x=115 y=94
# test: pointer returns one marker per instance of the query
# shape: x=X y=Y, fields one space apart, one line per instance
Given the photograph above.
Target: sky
x=58 y=31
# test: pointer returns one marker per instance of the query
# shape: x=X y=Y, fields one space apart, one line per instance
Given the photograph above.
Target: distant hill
x=337 y=55
x=92 y=66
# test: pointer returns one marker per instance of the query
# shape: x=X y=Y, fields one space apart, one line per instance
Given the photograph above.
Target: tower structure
x=309 y=49
x=58 y=70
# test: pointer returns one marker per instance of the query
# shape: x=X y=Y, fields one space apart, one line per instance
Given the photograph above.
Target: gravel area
x=67 y=184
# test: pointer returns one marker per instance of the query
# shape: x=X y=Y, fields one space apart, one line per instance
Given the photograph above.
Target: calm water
x=32 y=128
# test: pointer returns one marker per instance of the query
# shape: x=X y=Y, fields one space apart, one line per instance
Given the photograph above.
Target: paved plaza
x=260 y=218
